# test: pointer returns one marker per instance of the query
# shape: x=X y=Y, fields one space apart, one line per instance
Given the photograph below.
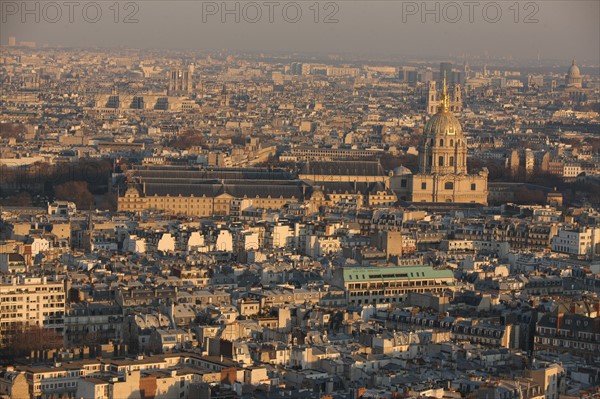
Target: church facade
x=442 y=174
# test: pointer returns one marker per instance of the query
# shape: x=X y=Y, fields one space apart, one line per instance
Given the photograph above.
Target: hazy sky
x=556 y=29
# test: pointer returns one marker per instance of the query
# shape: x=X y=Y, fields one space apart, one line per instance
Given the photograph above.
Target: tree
x=108 y=201
x=525 y=196
x=8 y=130
x=576 y=143
x=75 y=191
x=187 y=139
x=22 y=339
x=595 y=143
x=22 y=198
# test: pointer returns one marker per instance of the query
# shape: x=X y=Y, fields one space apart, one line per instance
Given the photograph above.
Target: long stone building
x=194 y=191
x=206 y=192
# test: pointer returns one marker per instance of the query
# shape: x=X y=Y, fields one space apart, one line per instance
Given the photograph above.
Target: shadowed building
x=206 y=192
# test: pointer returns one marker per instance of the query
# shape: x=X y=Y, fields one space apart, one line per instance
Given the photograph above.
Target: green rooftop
x=394 y=273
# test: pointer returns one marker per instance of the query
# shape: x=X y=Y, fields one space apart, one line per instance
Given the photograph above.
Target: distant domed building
x=443 y=175
x=573 y=88
x=573 y=78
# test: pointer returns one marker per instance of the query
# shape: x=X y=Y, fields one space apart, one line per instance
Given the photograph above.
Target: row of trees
x=76 y=191
x=95 y=172
x=78 y=182
x=189 y=138
x=9 y=130
x=22 y=339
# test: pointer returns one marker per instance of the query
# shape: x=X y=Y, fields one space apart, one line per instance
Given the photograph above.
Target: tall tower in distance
x=180 y=82
x=224 y=98
x=447 y=72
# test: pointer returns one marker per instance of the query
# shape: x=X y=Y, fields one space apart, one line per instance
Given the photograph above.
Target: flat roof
x=407 y=273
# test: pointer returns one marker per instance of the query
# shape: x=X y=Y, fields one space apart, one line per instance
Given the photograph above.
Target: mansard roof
x=343 y=168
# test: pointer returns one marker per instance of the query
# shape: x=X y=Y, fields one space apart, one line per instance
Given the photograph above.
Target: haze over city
x=522 y=30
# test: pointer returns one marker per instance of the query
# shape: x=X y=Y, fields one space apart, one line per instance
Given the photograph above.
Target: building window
x=403 y=183
x=449 y=185
x=423 y=186
x=473 y=186
x=451 y=161
x=441 y=142
x=451 y=143
x=441 y=161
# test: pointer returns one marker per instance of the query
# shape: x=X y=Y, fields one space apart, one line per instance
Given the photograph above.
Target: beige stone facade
x=133 y=201
x=218 y=191
x=443 y=175
x=34 y=301
x=450 y=188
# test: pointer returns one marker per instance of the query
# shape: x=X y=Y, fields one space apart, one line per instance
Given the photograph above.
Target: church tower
x=456 y=105
x=224 y=97
x=433 y=100
x=443 y=175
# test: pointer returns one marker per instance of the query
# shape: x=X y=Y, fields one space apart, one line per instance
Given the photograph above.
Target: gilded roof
x=443 y=123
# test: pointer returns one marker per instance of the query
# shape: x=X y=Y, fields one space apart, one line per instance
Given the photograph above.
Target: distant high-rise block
x=296 y=68
x=408 y=74
x=12 y=41
x=446 y=70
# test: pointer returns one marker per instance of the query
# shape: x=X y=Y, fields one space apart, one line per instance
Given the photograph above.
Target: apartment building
x=36 y=301
x=581 y=241
x=569 y=333
x=390 y=284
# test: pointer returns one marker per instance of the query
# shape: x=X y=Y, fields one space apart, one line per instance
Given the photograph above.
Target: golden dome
x=443 y=123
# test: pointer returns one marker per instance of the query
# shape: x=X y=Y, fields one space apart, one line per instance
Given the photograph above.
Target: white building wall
x=166 y=243
x=224 y=241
